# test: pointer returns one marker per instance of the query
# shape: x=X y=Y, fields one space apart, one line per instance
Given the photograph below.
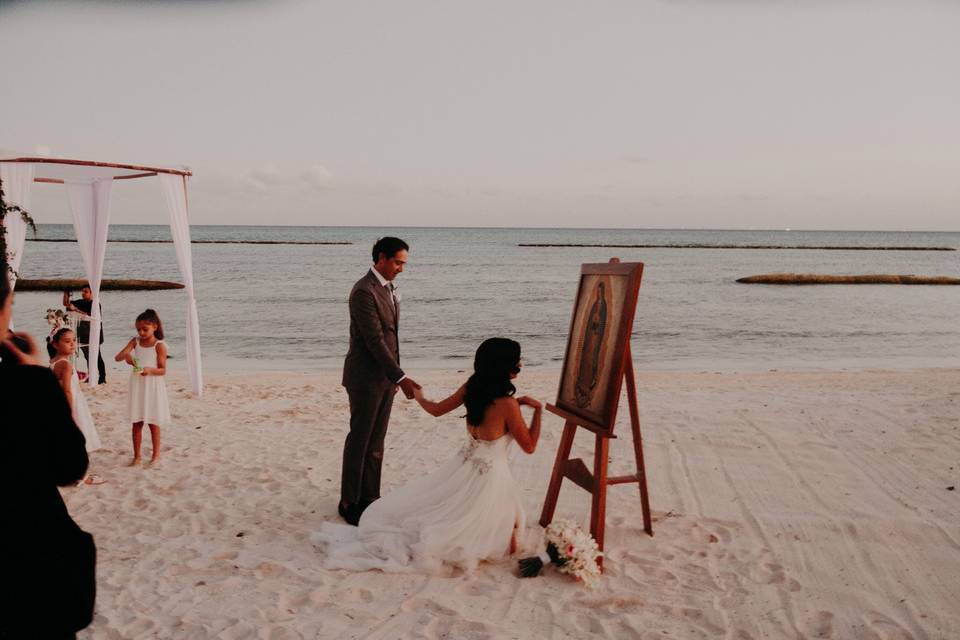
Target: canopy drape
x=90 y=206
x=174 y=189
x=17 y=186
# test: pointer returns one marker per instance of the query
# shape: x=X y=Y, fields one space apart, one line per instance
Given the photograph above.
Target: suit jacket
x=373 y=359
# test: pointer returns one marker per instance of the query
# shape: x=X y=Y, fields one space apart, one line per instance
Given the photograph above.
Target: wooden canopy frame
x=144 y=172
x=90 y=173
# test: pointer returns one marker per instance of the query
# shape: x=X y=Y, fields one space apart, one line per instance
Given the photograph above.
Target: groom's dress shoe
x=350 y=512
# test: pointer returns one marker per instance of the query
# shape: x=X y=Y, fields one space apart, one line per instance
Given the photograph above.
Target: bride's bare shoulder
x=506 y=404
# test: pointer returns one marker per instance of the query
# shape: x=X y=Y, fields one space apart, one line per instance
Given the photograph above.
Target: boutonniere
x=396 y=296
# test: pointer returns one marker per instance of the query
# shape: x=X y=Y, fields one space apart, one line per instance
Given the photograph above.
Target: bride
x=469 y=509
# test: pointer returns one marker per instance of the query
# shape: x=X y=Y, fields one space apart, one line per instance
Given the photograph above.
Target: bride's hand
x=418 y=393
x=530 y=402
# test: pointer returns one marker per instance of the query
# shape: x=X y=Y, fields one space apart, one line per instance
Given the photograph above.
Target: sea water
x=285 y=306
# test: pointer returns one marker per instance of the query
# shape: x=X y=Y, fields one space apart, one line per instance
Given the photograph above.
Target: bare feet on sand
x=134 y=462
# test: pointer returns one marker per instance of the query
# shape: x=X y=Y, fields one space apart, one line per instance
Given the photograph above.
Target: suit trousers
x=363 y=449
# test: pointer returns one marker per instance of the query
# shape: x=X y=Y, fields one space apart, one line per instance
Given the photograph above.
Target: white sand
x=787 y=505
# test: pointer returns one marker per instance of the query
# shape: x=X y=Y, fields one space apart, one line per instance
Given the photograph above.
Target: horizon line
x=532 y=228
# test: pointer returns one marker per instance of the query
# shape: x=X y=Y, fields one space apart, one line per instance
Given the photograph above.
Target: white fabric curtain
x=90 y=206
x=17 y=186
x=175 y=192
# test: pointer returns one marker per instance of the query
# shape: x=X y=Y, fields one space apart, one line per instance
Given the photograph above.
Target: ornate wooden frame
x=632 y=271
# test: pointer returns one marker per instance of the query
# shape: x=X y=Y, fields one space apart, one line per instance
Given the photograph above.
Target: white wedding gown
x=461 y=514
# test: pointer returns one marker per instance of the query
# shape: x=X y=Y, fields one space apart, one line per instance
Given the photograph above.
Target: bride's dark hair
x=495 y=360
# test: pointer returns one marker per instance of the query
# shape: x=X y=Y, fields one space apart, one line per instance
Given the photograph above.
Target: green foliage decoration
x=8 y=210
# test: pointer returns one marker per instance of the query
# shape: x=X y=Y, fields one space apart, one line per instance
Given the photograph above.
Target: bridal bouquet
x=571 y=549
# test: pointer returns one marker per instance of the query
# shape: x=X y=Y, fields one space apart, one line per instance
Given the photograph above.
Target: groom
x=371 y=374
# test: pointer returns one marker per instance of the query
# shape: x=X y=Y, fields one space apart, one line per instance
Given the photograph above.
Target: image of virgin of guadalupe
x=591 y=344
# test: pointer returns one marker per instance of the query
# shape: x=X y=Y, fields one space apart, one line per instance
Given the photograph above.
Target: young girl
x=147 y=402
x=64 y=344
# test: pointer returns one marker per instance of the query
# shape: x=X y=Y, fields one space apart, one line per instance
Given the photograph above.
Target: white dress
x=147 y=400
x=459 y=515
x=81 y=412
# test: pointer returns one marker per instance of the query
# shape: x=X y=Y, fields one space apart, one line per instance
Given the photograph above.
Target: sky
x=812 y=114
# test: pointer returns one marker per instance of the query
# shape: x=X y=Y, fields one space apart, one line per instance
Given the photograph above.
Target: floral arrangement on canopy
x=9 y=210
x=57 y=319
x=571 y=550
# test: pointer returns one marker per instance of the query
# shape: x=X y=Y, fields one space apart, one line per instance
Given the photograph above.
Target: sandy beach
x=787 y=505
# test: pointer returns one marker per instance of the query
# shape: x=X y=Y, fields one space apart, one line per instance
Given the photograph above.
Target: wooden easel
x=596 y=483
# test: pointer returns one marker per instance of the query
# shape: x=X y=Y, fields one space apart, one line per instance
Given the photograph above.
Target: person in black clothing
x=84 y=304
x=49 y=563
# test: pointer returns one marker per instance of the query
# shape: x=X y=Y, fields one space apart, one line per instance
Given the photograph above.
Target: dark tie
x=393 y=296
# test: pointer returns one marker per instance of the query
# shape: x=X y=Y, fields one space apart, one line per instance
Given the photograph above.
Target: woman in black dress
x=49 y=565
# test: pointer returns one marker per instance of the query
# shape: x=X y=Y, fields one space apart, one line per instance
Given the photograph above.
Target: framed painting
x=599 y=337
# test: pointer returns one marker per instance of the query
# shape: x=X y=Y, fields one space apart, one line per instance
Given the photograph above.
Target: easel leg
x=638 y=443
x=598 y=508
x=553 y=490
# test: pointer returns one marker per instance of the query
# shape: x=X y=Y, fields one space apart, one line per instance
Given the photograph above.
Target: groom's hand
x=407 y=385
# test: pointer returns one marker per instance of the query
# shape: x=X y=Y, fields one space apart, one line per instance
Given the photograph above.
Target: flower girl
x=147 y=402
x=63 y=343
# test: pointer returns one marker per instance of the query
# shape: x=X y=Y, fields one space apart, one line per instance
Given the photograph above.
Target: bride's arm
x=446 y=405
x=526 y=437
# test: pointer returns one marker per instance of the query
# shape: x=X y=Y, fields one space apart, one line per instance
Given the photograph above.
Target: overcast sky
x=673 y=113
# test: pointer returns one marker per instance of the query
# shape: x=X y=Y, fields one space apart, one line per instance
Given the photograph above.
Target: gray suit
x=370 y=373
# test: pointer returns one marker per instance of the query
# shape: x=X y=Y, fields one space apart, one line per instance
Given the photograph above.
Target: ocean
x=275 y=306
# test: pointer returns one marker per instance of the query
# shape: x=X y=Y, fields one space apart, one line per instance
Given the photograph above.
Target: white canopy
x=89 y=186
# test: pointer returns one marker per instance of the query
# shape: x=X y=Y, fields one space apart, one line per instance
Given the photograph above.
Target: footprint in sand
x=886 y=628
x=423 y=604
x=357 y=594
x=822 y=625
x=281 y=632
x=139 y=629
x=269 y=570
x=457 y=627
x=591 y=625
x=474 y=589
x=773 y=573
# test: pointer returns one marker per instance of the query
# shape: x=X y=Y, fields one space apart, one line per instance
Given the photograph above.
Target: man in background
x=84 y=304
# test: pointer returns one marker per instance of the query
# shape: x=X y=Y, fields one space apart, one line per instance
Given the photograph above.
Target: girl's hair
x=151 y=316
x=495 y=360
x=59 y=334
